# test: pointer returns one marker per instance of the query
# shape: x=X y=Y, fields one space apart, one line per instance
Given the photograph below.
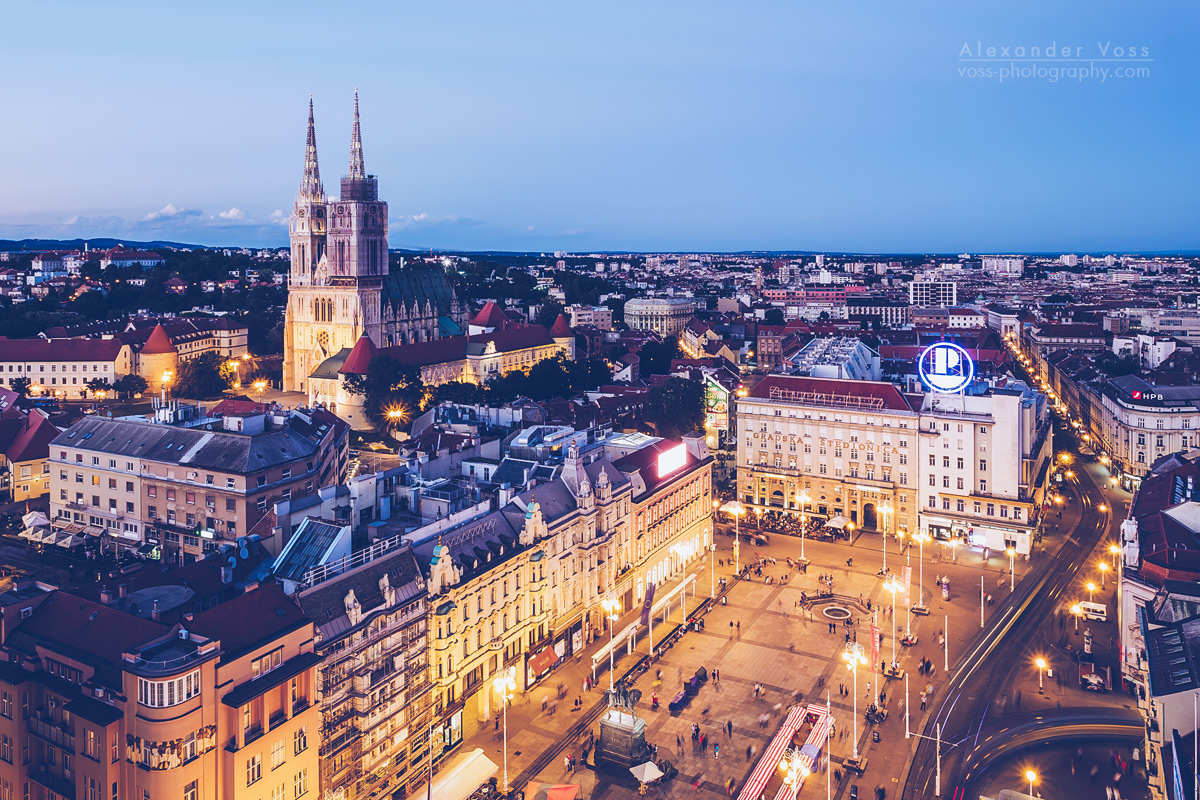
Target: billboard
x=716 y=405
x=945 y=367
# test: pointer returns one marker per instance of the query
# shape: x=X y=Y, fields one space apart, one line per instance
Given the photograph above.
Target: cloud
x=233 y=213
x=170 y=211
x=423 y=220
x=529 y=229
x=278 y=217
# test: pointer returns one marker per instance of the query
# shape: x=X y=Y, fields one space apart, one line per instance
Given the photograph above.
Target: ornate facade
x=340 y=286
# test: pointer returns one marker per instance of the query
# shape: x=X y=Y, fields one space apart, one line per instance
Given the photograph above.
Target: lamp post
x=1030 y=776
x=803 y=499
x=885 y=508
x=1041 y=665
x=1091 y=587
x=1115 y=550
x=1077 y=612
x=505 y=684
x=1103 y=565
x=921 y=538
x=954 y=548
x=893 y=586
x=853 y=656
x=1012 y=568
x=611 y=607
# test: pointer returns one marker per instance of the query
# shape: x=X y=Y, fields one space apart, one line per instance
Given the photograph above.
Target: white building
x=984 y=462
x=591 y=316
x=932 y=293
x=665 y=316
x=63 y=367
x=1004 y=266
x=835 y=357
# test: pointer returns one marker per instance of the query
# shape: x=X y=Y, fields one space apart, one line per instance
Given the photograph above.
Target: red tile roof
x=35 y=350
x=561 y=328
x=360 y=357
x=491 y=316
x=832 y=388
x=31 y=441
x=158 y=343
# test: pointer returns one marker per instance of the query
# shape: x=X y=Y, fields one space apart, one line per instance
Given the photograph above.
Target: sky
x=693 y=126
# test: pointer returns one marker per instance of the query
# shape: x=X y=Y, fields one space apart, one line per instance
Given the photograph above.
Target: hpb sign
x=946 y=367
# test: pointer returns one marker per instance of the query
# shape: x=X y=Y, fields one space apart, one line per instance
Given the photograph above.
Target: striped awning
x=809 y=753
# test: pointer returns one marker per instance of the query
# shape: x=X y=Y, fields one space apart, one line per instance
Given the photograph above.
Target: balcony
x=51 y=733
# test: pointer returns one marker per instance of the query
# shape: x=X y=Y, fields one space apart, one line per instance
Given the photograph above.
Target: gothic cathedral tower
x=339 y=262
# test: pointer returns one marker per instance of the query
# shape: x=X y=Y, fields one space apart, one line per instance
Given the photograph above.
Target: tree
x=590 y=374
x=200 y=377
x=774 y=316
x=130 y=385
x=675 y=407
x=507 y=387
x=393 y=391
x=548 y=313
x=98 y=385
x=656 y=356
x=458 y=392
x=550 y=378
x=21 y=386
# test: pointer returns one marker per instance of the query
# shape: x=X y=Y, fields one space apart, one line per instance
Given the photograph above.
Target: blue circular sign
x=946 y=367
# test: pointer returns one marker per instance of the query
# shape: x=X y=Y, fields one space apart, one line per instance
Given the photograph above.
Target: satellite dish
x=233 y=561
x=244 y=553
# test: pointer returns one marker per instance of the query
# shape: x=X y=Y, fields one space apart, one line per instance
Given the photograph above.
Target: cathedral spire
x=310 y=184
x=357 y=170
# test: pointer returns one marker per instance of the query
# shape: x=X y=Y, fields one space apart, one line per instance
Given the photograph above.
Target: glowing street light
x=793 y=768
x=1041 y=665
x=1091 y=587
x=1030 y=776
x=886 y=509
x=853 y=656
x=259 y=386
x=1077 y=612
x=1114 y=551
x=505 y=684
x=737 y=509
x=893 y=586
x=611 y=608
x=1103 y=565
x=1012 y=568
x=804 y=500
x=921 y=538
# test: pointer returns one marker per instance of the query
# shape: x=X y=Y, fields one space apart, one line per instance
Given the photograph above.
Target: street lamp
x=921 y=538
x=1114 y=551
x=893 y=586
x=1030 y=776
x=1103 y=565
x=853 y=656
x=1091 y=587
x=1012 y=568
x=1041 y=665
x=886 y=509
x=804 y=500
x=505 y=684
x=1077 y=612
x=737 y=509
x=259 y=386
x=611 y=607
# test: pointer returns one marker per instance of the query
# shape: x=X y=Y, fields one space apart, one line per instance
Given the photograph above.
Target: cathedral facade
x=340 y=286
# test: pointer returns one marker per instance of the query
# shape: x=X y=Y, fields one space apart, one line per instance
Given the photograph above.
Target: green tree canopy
x=21 y=386
x=676 y=407
x=656 y=356
x=393 y=391
x=774 y=316
x=200 y=378
x=130 y=384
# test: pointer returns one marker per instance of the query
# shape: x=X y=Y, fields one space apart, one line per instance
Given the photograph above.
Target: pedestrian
x=678 y=741
x=1095 y=771
x=716 y=750
x=868 y=690
x=730 y=629
x=739 y=627
x=923 y=698
x=749 y=751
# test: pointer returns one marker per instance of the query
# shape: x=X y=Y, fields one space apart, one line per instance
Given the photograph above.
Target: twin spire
x=310 y=183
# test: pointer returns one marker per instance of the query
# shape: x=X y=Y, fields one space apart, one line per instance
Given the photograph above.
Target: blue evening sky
x=650 y=125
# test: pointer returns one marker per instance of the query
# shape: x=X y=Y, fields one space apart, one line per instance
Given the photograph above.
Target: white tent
x=646 y=773
x=34 y=518
x=837 y=523
x=459 y=779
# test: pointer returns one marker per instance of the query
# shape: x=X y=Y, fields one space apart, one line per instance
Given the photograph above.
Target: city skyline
x=540 y=128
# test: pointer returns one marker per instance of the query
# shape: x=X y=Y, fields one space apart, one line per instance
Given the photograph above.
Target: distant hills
x=94 y=244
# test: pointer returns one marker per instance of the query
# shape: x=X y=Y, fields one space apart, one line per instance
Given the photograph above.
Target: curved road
x=964 y=707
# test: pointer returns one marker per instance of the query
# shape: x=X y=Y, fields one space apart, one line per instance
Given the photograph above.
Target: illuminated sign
x=945 y=367
x=716 y=405
x=672 y=460
x=1146 y=396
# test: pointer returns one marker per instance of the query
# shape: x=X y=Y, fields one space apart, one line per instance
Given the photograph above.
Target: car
x=1094 y=611
x=854 y=792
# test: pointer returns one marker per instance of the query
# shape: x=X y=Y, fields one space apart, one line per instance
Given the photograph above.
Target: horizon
x=690 y=129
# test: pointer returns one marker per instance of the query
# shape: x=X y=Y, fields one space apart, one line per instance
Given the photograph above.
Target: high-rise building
x=340 y=287
x=932 y=294
x=1004 y=266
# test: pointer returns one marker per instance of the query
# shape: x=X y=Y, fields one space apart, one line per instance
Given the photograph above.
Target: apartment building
x=100 y=703
x=932 y=293
x=62 y=367
x=175 y=487
x=375 y=699
x=600 y=317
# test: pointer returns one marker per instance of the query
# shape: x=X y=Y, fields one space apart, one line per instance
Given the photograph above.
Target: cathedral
x=340 y=286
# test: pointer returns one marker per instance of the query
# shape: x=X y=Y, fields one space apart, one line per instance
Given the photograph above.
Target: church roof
x=490 y=316
x=330 y=367
x=360 y=357
x=158 y=343
x=561 y=328
x=416 y=284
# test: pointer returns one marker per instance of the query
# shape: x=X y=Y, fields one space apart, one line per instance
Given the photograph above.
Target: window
x=991 y=509
x=192 y=791
x=983 y=486
x=946 y=462
x=983 y=465
x=277 y=754
x=301 y=739
x=162 y=694
x=190 y=498
x=152 y=491
x=960 y=484
x=171 y=495
x=253 y=769
x=933 y=461
x=261 y=666
x=933 y=501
